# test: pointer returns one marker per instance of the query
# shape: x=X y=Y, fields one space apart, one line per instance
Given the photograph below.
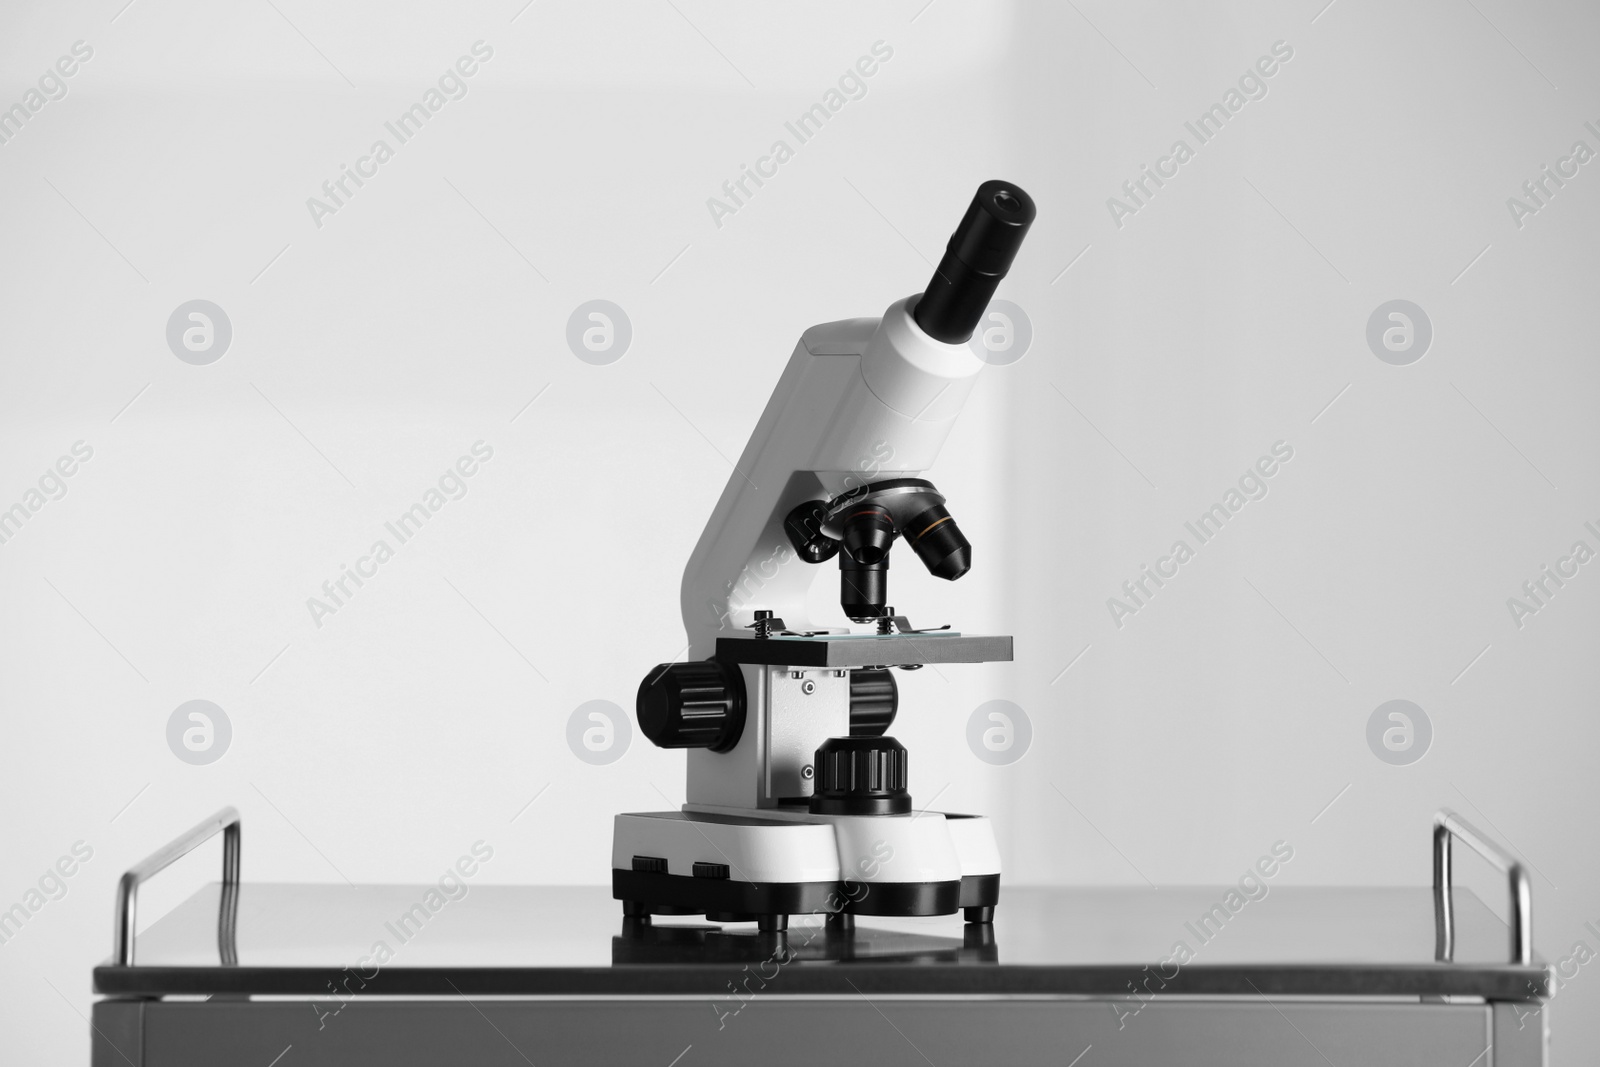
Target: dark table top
x=553 y=941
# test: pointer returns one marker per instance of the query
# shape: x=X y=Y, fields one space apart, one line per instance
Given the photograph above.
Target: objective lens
x=863 y=588
x=868 y=533
x=939 y=543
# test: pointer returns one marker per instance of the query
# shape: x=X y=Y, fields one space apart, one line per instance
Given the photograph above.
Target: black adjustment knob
x=803 y=525
x=692 y=705
x=861 y=776
x=874 y=699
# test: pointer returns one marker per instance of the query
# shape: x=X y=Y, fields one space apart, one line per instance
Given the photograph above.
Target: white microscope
x=797 y=800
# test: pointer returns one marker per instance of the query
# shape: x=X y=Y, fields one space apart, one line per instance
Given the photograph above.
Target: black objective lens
x=976 y=259
x=940 y=544
x=863 y=588
x=868 y=533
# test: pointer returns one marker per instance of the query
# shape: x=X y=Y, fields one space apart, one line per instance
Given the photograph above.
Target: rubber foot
x=840 y=922
x=984 y=914
x=772 y=924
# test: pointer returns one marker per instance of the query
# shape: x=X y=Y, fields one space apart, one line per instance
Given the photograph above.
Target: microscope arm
x=861 y=401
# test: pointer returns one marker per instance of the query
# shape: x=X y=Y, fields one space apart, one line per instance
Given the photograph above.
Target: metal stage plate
x=865 y=650
x=305 y=940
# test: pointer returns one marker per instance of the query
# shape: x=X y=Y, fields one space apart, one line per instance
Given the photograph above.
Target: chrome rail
x=1448 y=827
x=225 y=822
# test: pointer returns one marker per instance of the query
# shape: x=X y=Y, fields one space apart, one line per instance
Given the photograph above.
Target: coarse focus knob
x=692 y=705
x=874 y=699
x=861 y=776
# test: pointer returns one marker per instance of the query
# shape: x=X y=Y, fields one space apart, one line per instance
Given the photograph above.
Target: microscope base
x=765 y=867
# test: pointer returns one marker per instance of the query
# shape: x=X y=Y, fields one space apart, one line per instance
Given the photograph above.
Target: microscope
x=797 y=800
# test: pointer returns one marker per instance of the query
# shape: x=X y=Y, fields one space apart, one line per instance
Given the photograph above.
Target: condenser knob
x=692 y=705
x=861 y=776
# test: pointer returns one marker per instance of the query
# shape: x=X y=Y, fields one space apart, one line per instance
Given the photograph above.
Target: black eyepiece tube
x=978 y=256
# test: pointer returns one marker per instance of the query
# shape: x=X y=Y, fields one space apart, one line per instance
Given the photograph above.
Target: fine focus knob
x=692 y=705
x=874 y=699
x=861 y=776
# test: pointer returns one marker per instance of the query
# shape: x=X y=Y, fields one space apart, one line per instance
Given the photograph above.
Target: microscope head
x=860 y=526
x=858 y=416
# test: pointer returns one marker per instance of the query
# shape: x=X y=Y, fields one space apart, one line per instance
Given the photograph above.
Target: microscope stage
x=865 y=650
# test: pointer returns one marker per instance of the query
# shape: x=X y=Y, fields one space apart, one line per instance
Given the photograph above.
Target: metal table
x=292 y=976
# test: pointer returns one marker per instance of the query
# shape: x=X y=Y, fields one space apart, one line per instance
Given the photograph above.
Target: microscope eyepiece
x=975 y=260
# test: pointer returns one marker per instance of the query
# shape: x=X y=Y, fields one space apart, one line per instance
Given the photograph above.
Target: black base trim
x=645 y=893
x=980 y=891
x=903 y=898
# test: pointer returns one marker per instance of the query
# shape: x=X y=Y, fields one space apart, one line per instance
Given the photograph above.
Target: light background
x=1168 y=354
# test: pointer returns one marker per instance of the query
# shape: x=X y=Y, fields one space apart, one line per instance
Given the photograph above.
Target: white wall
x=1221 y=318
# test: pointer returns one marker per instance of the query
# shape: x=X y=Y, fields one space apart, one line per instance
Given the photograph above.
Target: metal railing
x=225 y=822
x=1449 y=827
